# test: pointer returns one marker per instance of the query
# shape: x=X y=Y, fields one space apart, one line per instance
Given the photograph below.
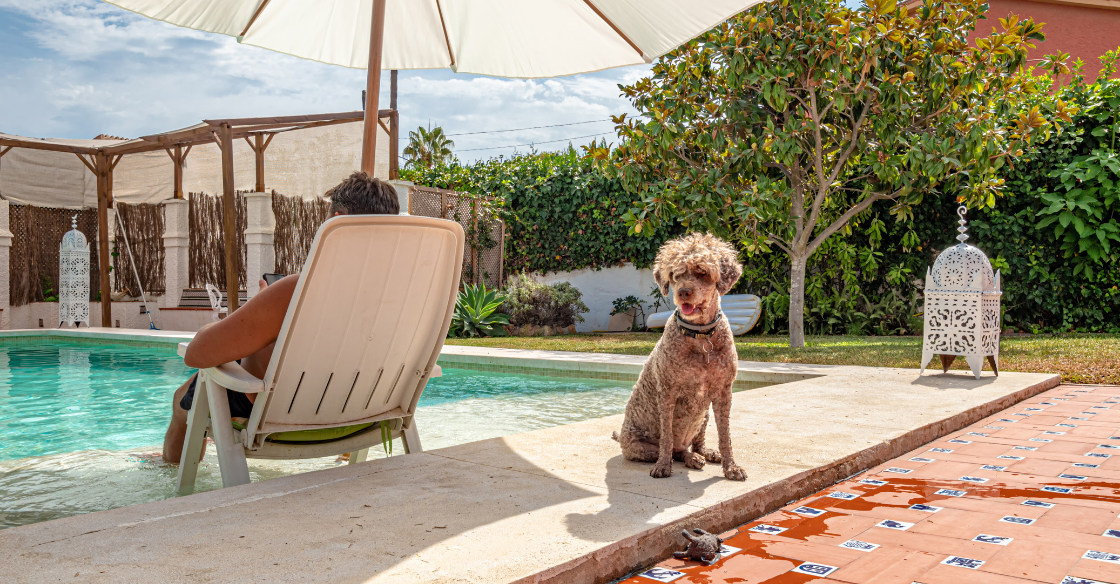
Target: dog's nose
x=685 y=292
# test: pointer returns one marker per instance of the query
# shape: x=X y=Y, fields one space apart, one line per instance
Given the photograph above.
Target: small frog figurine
x=702 y=547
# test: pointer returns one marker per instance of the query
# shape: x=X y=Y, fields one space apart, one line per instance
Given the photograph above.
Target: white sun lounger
x=742 y=312
x=359 y=342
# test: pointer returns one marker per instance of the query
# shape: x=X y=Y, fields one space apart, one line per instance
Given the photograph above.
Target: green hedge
x=561 y=213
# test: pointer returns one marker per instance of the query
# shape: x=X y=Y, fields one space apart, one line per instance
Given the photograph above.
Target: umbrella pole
x=373 y=87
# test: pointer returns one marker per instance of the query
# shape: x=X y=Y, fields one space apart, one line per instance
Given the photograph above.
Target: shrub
x=561 y=213
x=553 y=305
x=476 y=313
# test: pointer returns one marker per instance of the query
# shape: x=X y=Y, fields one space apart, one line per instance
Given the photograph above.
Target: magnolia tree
x=784 y=124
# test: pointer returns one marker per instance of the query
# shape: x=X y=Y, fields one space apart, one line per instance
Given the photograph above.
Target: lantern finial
x=961 y=211
x=74 y=222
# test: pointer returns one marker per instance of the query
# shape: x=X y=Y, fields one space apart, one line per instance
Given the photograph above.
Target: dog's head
x=700 y=268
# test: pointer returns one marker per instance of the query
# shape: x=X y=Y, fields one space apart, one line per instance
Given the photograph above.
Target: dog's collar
x=702 y=331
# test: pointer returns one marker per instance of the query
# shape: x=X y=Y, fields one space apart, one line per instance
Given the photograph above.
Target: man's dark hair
x=362 y=194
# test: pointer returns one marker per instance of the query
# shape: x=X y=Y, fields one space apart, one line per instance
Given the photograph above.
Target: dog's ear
x=662 y=280
x=729 y=271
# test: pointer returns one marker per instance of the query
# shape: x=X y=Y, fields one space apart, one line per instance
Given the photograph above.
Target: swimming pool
x=81 y=424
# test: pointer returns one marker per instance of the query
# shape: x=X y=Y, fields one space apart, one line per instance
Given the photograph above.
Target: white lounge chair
x=359 y=342
x=742 y=311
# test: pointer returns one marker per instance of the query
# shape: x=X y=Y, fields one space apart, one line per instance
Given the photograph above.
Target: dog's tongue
x=687 y=308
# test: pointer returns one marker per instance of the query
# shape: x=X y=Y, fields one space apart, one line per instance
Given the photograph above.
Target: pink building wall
x=1082 y=28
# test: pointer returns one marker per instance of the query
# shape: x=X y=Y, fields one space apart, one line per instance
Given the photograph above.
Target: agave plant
x=476 y=313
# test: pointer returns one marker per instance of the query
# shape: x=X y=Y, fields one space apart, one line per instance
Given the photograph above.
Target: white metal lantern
x=962 y=315
x=73 y=277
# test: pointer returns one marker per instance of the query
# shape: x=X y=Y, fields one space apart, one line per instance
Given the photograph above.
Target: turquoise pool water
x=81 y=425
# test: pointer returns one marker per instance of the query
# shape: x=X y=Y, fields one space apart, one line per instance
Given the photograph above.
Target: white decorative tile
x=661 y=574
x=1061 y=490
x=896 y=525
x=994 y=467
x=1033 y=503
x=814 y=569
x=924 y=507
x=768 y=529
x=1102 y=557
x=1017 y=520
x=958 y=561
x=993 y=539
x=859 y=546
x=809 y=511
x=950 y=493
x=842 y=495
x=970 y=479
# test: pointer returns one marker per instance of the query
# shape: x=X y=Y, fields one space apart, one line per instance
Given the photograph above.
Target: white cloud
x=77 y=68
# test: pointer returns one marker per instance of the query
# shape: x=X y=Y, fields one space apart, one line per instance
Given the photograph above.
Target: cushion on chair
x=321 y=435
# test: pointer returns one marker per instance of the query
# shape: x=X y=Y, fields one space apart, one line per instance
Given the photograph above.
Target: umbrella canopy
x=504 y=38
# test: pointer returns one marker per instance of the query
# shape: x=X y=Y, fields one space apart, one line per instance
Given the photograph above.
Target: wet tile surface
x=1027 y=503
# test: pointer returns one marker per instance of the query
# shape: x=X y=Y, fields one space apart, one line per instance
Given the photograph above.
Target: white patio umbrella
x=503 y=38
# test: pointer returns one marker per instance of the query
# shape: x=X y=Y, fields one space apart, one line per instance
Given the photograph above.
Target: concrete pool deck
x=553 y=505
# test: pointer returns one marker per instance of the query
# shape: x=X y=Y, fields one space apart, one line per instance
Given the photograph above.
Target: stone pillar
x=176 y=246
x=401 y=186
x=5 y=266
x=260 y=228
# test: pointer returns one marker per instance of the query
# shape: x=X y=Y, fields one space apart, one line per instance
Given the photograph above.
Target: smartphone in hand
x=271 y=279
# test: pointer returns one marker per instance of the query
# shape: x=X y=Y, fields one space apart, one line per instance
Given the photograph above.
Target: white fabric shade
x=302 y=163
x=504 y=38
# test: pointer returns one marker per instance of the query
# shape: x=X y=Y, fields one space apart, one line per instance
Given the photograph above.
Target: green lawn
x=1079 y=358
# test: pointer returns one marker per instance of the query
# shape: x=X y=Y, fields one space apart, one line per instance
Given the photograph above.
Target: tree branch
x=843 y=219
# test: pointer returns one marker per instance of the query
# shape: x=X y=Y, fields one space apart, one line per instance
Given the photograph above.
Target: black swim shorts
x=239 y=404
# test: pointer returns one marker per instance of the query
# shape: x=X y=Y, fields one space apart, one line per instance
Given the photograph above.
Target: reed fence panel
x=143 y=223
x=297 y=220
x=33 y=257
x=208 y=243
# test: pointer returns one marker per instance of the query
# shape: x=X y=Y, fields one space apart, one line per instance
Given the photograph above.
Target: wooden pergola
x=257 y=132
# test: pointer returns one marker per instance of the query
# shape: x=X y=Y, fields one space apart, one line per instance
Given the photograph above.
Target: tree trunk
x=797 y=300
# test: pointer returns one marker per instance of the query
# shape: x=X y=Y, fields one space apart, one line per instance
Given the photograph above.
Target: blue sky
x=78 y=68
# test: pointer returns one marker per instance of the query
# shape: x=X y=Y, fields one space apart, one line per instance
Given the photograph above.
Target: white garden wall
x=126 y=313
x=600 y=288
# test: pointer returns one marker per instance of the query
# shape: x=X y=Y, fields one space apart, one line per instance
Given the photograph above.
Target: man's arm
x=246 y=331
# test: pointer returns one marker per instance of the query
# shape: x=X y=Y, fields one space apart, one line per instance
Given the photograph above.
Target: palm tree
x=428 y=148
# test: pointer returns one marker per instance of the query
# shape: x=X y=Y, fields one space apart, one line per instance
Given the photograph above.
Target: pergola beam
x=103 y=159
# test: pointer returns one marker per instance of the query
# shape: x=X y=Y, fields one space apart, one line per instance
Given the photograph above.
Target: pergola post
x=373 y=87
x=104 y=202
x=178 y=157
x=394 y=129
x=229 y=208
x=258 y=150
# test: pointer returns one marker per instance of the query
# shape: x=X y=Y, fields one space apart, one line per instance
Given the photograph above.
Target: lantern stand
x=73 y=277
x=962 y=307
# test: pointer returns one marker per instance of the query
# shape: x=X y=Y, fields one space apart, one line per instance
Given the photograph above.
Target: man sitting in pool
x=249 y=334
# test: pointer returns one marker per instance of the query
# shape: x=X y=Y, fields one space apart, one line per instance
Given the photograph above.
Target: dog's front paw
x=734 y=472
x=693 y=460
x=661 y=470
x=710 y=455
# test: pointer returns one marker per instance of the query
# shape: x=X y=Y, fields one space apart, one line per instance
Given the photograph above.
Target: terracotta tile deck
x=1028 y=495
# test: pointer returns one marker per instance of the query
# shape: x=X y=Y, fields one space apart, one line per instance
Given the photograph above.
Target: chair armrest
x=437 y=371
x=232 y=376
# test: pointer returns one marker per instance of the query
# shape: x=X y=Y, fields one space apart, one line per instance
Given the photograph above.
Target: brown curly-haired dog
x=693 y=365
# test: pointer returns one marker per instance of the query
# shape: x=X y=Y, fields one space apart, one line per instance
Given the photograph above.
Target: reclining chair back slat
x=357 y=339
